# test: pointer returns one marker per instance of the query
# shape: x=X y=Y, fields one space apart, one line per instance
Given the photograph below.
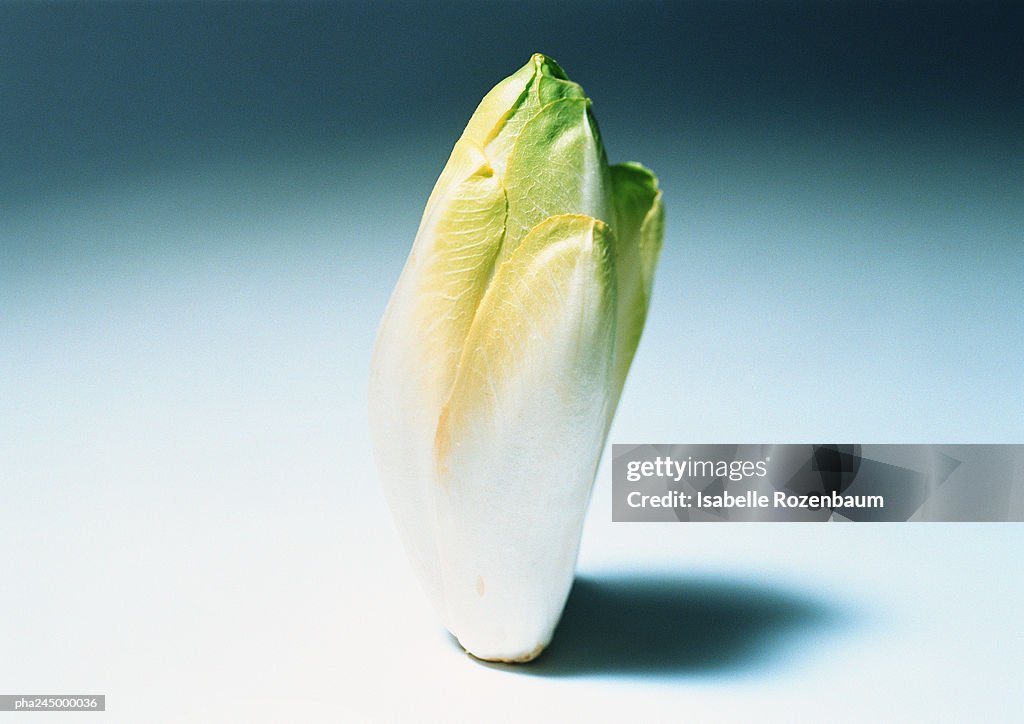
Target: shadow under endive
x=671 y=626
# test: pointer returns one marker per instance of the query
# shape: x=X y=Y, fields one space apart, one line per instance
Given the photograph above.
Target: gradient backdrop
x=203 y=209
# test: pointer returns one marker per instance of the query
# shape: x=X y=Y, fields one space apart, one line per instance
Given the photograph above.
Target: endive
x=502 y=354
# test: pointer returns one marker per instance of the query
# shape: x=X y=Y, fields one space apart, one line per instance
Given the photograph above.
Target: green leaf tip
x=546 y=65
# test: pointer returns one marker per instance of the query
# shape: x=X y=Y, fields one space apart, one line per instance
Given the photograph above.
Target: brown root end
x=526 y=658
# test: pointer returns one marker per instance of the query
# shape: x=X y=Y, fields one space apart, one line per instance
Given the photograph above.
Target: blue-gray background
x=203 y=208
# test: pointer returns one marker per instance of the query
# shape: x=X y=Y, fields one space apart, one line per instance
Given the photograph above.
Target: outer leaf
x=421 y=338
x=639 y=228
x=517 y=441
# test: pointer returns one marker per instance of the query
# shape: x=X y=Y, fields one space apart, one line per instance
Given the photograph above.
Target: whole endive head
x=502 y=355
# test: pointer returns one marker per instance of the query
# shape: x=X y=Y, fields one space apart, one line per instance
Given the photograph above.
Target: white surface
x=191 y=523
x=287 y=615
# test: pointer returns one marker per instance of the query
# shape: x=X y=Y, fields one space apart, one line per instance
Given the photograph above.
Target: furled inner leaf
x=557 y=167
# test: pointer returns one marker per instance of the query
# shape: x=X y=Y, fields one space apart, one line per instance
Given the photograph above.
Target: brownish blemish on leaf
x=480 y=588
x=441 y=445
